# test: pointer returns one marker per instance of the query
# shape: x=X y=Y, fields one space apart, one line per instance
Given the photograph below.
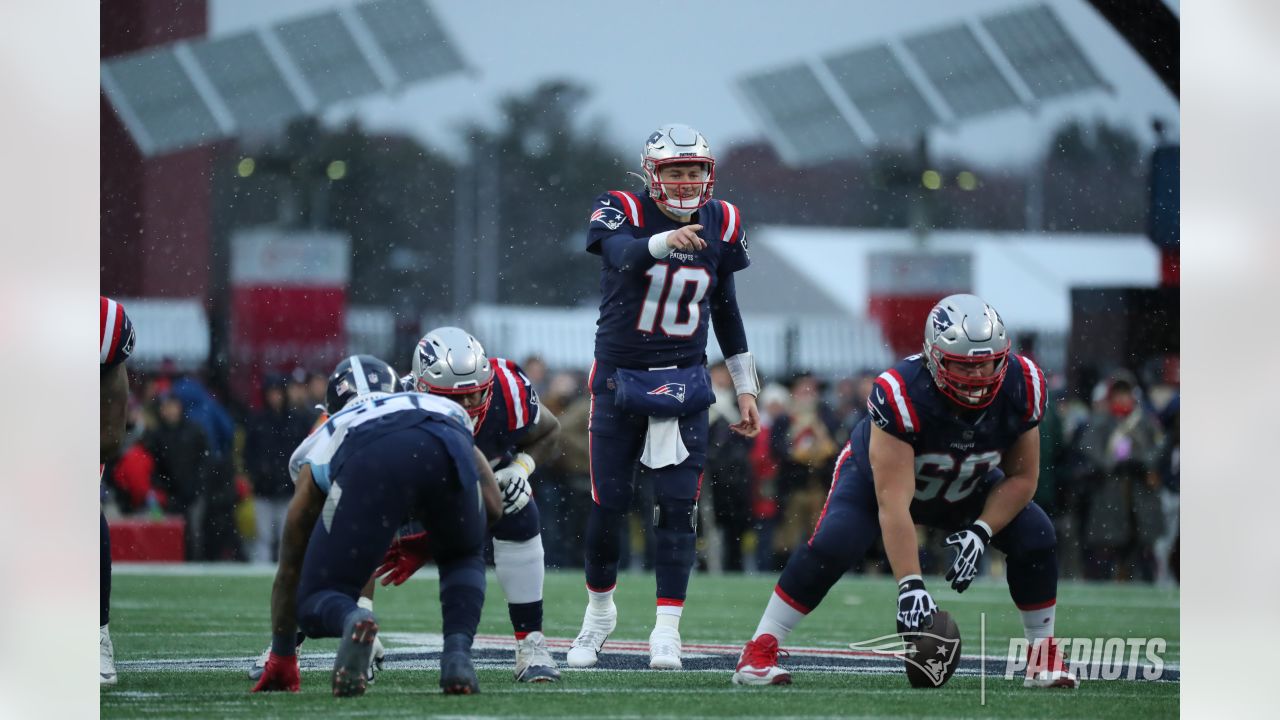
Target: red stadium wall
x=154 y=223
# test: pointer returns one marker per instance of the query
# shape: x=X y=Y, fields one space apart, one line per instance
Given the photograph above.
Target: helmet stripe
x=357 y=370
x=107 y=314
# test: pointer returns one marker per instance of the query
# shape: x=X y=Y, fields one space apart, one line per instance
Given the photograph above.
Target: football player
x=668 y=258
x=115 y=345
x=382 y=459
x=951 y=441
x=516 y=433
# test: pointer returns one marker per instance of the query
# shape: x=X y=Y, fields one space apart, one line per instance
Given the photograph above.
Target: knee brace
x=678 y=515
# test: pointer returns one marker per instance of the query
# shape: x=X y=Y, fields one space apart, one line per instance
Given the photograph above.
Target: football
x=933 y=654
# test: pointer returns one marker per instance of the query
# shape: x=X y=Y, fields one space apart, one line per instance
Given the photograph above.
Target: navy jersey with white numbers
x=955 y=450
x=654 y=313
x=512 y=412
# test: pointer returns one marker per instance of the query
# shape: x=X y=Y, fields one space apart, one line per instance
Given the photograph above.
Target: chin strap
x=742 y=368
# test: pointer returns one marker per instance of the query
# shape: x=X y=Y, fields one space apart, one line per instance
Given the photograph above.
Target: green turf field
x=167 y=627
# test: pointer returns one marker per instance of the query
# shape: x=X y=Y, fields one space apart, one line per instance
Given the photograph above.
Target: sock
x=365 y=603
x=104 y=571
x=780 y=617
x=600 y=600
x=521 y=569
x=1038 y=623
x=605 y=532
x=462 y=596
x=669 y=615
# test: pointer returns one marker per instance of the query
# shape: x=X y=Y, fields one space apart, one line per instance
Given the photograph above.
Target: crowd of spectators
x=1109 y=471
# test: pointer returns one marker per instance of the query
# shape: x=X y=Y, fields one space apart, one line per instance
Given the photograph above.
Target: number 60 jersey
x=957 y=451
x=653 y=313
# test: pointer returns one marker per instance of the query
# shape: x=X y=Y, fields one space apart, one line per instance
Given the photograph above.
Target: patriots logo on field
x=941 y=322
x=675 y=390
x=936 y=667
x=610 y=217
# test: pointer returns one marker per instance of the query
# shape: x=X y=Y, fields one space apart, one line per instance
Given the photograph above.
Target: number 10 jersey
x=654 y=313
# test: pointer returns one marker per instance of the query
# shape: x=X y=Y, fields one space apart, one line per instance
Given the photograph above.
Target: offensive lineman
x=515 y=432
x=948 y=443
x=667 y=262
x=382 y=459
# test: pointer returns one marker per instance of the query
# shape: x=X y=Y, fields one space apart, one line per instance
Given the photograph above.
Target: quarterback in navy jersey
x=668 y=258
x=951 y=441
x=514 y=432
x=115 y=345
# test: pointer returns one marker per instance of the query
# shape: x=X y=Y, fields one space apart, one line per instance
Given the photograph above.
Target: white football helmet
x=677 y=145
x=449 y=361
x=963 y=330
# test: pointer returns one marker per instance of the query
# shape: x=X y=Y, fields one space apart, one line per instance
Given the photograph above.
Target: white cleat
x=664 y=649
x=534 y=663
x=596 y=627
x=106 y=658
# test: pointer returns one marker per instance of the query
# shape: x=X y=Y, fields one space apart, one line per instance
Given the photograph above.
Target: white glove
x=513 y=481
x=969 y=543
x=915 y=606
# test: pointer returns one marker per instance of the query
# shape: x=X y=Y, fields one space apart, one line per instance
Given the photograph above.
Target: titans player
x=668 y=257
x=515 y=432
x=115 y=344
x=951 y=442
x=384 y=458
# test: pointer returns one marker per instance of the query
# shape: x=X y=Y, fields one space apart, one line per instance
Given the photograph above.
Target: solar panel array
x=891 y=92
x=190 y=93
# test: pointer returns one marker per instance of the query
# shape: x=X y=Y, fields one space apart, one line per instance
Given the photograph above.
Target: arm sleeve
x=624 y=252
x=726 y=317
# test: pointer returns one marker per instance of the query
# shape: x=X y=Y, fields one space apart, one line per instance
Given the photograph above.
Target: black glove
x=915 y=606
x=970 y=543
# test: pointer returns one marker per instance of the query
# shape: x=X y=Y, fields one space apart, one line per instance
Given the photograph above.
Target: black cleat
x=457 y=676
x=351 y=667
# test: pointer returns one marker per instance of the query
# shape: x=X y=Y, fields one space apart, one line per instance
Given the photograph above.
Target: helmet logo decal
x=941 y=322
x=654 y=138
x=426 y=354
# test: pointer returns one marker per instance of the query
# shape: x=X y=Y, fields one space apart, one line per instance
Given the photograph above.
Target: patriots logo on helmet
x=941 y=321
x=675 y=390
x=654 y=138
x=610 y=217
x=426 y=354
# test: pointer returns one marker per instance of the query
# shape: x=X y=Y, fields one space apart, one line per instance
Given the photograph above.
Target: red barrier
x=148 y=540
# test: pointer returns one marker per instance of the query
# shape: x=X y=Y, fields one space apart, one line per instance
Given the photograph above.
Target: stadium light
x=336 y=170
x=931 y=179
x=967 y=181
x=246 y=167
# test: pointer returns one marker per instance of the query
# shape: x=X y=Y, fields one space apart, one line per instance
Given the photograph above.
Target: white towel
x=663 y=445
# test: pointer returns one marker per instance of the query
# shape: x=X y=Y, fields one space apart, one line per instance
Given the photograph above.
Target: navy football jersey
x=115 y=333
x=512 y=412
x=955 y=449
x=655 y=313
